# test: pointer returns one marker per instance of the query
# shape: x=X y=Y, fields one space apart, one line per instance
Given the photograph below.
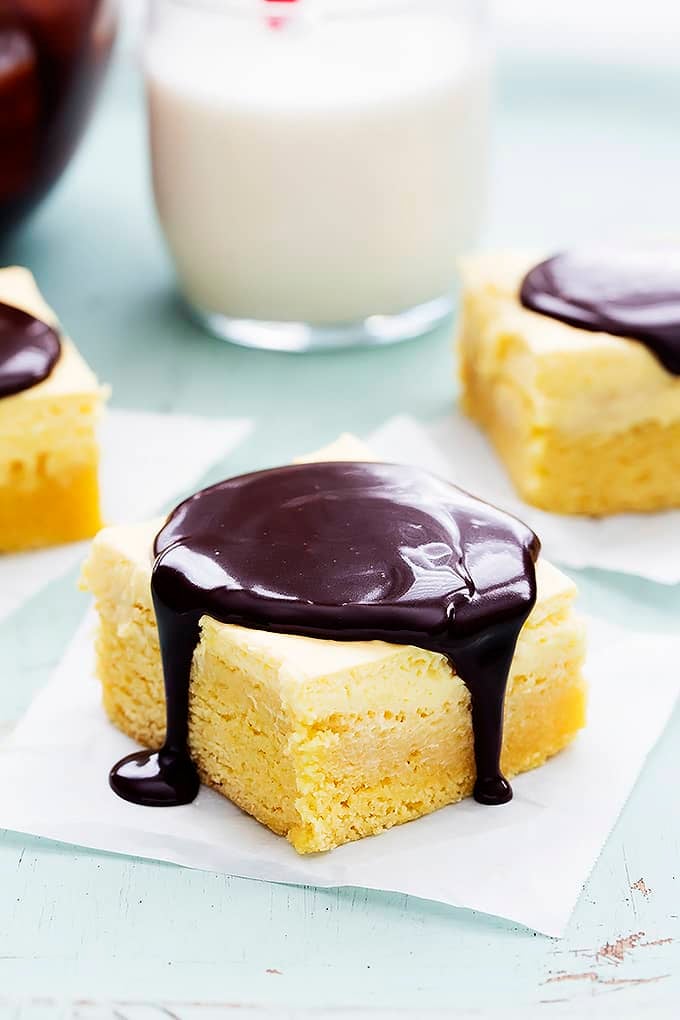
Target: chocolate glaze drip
x=29 y=350
x=344 y=551
x=631 y=293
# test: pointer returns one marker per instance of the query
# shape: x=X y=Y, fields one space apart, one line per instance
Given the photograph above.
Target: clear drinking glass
x=318 y=165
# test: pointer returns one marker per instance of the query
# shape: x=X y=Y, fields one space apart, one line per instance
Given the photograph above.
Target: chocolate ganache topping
x=345 y=551
x=629 y=293
x=29 y=350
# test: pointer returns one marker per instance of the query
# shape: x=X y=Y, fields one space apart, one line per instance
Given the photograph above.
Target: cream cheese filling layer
x=570 y=379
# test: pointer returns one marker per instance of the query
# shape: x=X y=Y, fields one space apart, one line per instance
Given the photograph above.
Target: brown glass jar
x=53 y=54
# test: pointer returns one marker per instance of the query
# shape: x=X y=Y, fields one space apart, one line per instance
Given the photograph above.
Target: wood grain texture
x=90 y=935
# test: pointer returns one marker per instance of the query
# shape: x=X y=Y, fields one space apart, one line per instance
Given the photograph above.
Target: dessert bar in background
x=50 y=402
x=572 y=367
x=326 y=741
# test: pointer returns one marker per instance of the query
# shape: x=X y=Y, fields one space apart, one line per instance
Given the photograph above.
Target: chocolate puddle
x=628 y=293
x=29 y=350
x=344 y=551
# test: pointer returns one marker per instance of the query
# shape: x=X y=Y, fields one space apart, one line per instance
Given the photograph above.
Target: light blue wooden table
x=578 y=155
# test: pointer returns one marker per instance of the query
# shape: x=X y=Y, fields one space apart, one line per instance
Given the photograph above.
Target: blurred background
x=597 y=80
x=606 y=32
x=611 y=31
x=586 y=147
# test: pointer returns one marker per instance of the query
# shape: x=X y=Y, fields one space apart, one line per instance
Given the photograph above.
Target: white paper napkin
x=146 y=460
x=526 y=861
x=646 y=545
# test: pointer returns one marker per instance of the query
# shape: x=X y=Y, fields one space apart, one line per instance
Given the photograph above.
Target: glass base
x=375 y=331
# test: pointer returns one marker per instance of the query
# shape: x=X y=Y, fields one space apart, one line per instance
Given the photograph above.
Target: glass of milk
x=318 y=165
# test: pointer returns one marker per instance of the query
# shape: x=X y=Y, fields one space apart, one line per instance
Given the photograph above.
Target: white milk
x=321 y=173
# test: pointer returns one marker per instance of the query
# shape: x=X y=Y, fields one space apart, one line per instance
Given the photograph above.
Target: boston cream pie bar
x=337 y=646
x=49 y=405
x=572 y=367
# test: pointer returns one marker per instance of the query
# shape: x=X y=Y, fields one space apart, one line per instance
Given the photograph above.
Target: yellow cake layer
x=595 y=473
x=64 y=508
x=48 y=448
x=585 y=422
x=326 y=741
